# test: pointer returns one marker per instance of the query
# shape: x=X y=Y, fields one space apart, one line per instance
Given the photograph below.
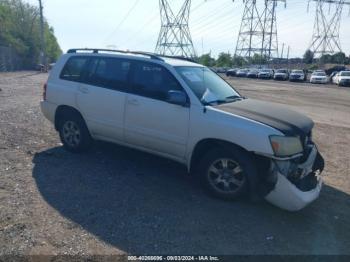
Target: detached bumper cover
x=289 y=196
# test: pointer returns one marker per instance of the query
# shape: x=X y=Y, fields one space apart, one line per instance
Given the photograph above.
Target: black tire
x=238 y=157
x=82 y=140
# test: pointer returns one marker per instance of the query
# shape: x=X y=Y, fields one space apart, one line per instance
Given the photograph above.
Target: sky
x=214 y=24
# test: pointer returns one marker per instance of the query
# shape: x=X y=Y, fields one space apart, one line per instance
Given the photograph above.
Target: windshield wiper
x=228 y=99
x=234 y=98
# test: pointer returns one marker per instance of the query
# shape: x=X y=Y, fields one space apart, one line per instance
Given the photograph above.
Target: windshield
x=282 y=71
x=297 y=72
x=345 y=73
x=265 y=71
x=319 y=74
x=207 y=86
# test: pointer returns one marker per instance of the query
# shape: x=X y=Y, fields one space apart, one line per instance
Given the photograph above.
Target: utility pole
x=325 y=38
x=288 y=56
x=282 y=51
x=175 y=37
x=42 y=36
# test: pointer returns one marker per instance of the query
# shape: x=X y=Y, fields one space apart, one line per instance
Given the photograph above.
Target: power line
x=123 y=20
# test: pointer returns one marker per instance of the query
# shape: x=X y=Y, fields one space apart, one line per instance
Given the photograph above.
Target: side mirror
x=177 y=98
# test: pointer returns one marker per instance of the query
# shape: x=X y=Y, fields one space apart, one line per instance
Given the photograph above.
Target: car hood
x=280 y=74
x=274 y=115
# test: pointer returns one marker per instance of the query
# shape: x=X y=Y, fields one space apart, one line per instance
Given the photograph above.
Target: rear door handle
x=84 y=90
x=133 y=102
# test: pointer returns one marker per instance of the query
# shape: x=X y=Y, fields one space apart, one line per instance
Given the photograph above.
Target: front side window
x=207 y=86
x=110 y=73
x=153 y=81
x=74 y=68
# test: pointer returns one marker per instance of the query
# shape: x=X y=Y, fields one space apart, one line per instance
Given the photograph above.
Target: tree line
x=20 y=31
x=228 y=60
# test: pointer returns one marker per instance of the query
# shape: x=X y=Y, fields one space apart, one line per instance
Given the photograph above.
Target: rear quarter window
x=74 y=68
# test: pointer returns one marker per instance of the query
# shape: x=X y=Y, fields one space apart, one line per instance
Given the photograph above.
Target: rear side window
x=74 y=69
x=153 y=81
x=111 y=73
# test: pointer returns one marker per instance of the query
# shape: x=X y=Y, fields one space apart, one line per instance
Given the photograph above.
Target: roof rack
x=98 y=50
x=151 y=55
x=180 y=58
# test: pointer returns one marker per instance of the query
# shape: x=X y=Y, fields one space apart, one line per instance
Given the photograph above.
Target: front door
x=151 y=122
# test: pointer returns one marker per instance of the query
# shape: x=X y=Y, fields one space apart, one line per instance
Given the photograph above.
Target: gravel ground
x=115 y=200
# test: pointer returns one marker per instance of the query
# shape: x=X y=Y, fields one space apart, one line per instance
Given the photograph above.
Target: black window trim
x=130 y=88
x=132 y=74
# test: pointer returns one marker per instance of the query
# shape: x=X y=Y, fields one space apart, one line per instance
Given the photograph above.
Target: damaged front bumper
x=297 y=181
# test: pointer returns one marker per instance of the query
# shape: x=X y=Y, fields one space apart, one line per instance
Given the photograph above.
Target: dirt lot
x=114 y=200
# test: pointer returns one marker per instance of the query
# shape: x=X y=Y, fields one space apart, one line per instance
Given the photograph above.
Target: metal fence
x=9 y=60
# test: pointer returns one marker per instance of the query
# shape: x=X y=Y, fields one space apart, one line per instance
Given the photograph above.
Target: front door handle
x=84 y=90
x=133 y=102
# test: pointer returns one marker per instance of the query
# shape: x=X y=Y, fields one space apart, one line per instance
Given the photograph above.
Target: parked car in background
x=253 y=73
x=336 y=69
x=319 y=77
x=242 y=72
x=265 y=74
x=297 y=75
x=221 y=70
x=281 y=74
x=231 y=72
x=342 y=78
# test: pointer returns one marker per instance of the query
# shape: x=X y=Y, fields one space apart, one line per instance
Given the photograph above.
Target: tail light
x=44 y=91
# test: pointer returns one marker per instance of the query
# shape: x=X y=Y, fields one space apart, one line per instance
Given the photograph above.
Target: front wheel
x=74 y=134
x=225 y=173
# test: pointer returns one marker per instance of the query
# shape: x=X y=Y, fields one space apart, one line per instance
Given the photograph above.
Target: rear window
x=74 y=68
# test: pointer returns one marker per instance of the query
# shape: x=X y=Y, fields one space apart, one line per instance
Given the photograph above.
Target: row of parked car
x=317 y=77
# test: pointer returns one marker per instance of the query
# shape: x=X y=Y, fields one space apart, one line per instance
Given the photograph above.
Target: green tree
x=224 y=60
x=238 y=61
x=20 y=30
x=339 y=58
x=206 y=60
x=258 y=59
x=308 y=57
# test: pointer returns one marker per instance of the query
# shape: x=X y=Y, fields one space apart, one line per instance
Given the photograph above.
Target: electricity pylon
x=325 y=38
x=175 y=37
x=251 y=31
x=270 y=36
x=258 y=32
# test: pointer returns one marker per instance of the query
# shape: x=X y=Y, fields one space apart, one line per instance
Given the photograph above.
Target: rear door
x=101 y=96
x=151 y=122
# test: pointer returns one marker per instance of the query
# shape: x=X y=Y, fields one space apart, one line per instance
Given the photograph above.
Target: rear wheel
x=74 y=134
x=225 y=173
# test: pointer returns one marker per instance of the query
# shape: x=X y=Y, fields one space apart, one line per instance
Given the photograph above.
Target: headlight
x=286 y=146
